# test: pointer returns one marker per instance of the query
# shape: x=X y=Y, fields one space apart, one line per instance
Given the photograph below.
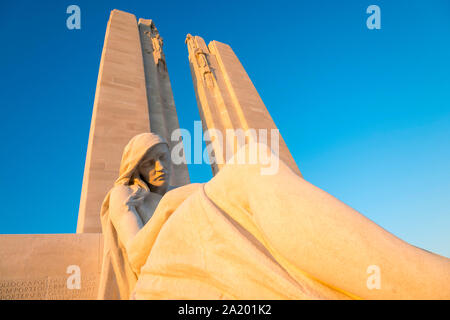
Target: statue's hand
x=139 y=248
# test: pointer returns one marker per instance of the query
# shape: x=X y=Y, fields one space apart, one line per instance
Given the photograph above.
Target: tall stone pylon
x=133 y=96
x=228 y=100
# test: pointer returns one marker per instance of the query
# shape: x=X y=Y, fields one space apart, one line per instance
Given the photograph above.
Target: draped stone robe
x=244 y=235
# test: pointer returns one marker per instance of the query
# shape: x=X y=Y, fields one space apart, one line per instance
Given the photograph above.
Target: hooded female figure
x=143 y=179
x=248 y=235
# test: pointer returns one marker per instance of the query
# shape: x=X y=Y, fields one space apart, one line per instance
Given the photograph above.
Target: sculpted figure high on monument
x=201 y=60
x=245 y=235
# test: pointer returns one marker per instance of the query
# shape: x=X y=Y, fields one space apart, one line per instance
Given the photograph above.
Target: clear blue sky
x=365 y=113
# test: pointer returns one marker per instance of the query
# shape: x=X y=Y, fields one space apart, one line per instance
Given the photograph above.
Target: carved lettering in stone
x=47 y=288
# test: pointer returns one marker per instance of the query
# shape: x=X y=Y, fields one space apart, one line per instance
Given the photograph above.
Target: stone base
x=34 y=267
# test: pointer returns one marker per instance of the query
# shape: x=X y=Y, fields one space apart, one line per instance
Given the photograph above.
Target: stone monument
x=241 y=235
x=133 y=95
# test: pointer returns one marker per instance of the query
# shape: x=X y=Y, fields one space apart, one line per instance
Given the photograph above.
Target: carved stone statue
x=244 y=235
x=143 y=180
x=157 y=43
x=159 y=58
x=202 y=61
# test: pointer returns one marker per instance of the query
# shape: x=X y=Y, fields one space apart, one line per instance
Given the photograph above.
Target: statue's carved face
x=155 y=166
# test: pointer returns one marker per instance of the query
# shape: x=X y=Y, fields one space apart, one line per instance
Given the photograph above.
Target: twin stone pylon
x=134 y=95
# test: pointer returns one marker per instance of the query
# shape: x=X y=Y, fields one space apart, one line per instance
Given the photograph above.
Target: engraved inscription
x=50 y=288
